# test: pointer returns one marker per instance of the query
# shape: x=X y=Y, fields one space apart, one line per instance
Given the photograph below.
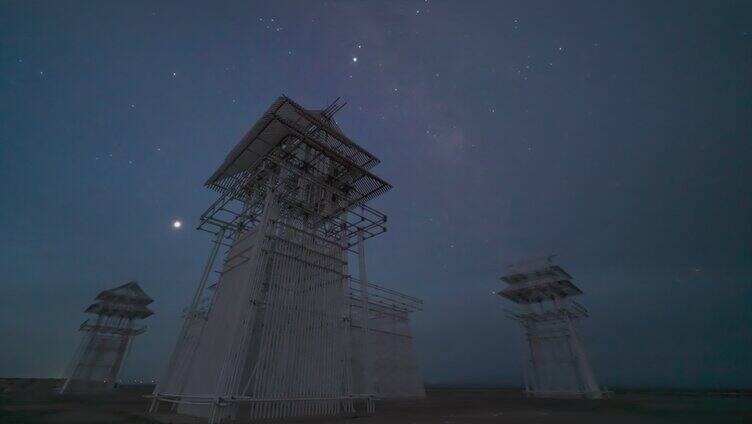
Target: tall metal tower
x=555 y=364
x=274 y=336
x=107 y=339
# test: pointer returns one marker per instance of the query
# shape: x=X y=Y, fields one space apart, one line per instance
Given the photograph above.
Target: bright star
x=355 y=59
x=177 y=224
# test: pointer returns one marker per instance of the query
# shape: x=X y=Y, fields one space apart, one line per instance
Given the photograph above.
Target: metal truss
x=316 y=159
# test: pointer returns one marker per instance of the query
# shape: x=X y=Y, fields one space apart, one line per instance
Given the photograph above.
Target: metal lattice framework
x=383 y=361
x=275 y=337
x=555 y=363
x=313 y=154
x=107 y=339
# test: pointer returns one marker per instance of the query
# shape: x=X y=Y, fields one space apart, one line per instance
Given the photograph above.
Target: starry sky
x=614 y=134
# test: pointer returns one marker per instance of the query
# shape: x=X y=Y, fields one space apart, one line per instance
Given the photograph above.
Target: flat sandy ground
x=31 y=401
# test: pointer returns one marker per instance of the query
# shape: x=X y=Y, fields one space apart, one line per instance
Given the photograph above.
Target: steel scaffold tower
x=274 y=336
x=555 y=362
x=107 y=339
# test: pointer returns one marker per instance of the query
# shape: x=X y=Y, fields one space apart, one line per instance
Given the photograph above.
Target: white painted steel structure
x=276 y=337
x=555 y=361
x=383 y=361
x=107 y=339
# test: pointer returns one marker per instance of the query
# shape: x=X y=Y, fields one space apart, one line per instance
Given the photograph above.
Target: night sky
x=615 y=134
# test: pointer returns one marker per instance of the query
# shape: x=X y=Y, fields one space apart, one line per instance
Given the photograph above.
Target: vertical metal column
x=586 y=373
x=180 y=346
x=367 y=386
x=207 y=269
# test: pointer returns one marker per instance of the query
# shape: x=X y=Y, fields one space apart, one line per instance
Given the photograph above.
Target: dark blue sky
x=617 y=134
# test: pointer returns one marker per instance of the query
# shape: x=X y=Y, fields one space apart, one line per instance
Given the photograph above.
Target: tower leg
x=117 y=366
x=525 y=357
x=586 y=373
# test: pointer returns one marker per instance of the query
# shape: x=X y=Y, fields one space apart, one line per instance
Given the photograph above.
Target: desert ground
x=33 y=401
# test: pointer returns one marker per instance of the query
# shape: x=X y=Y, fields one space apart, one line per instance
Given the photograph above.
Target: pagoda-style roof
x=540 y=291
x=538 y=281
x=127 y=301
x=280 y=120
x=307 y=150
x=517 y=276
x=285 y=119
x=127 y=293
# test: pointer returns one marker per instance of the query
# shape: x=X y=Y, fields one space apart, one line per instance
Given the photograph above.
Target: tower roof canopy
x=128 y=293
x=127 y=301
x=284 y=119
x=549 y=271
x=119 y=310
x=537 y=281
x=540 y=291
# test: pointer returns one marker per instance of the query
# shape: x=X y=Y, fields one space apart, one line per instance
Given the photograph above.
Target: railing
x=386 y=298
x=122 y=331
x=273 y=407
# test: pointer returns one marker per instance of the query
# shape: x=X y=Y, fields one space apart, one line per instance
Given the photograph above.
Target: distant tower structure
x=283 y=332
x=107 y=339
x=555 y=364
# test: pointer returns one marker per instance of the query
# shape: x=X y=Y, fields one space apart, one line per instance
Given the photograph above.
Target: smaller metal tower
x=555 y=364
x=107 y=339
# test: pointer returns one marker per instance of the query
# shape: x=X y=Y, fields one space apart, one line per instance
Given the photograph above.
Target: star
x=174 y=74
x=355 y=58
x=177 y=224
